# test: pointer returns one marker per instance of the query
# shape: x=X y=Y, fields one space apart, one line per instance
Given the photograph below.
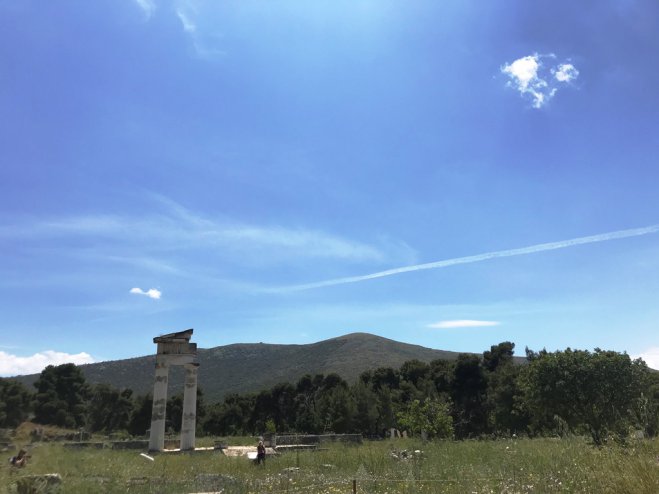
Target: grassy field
x=503 y=466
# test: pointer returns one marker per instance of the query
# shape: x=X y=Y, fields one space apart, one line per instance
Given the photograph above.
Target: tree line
x=601 y=393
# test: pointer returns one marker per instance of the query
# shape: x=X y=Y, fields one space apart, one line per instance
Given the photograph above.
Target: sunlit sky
x=241 y=167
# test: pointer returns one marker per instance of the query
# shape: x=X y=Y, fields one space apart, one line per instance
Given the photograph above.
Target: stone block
x=48 y=483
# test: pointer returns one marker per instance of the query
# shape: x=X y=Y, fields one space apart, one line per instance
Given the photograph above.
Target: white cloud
x=650 y=356
x=199 y=21
x=313 y=243
x=566 y=72
x=188 y=24
x=148 y=6
x=462 y=323
x=524 y=70
x=178 y=228
x=532 y=78
x=13 y=365
x=151 y=292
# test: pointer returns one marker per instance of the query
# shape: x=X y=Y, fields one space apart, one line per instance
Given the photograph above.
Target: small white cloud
x=524 y=70
x=151 y=292
x=530 y=76
x=566 y=72
x=148 y=6
x=188 y=24
x=13 y=365
x=197 y=22
x=650 y=357
x=462 y=323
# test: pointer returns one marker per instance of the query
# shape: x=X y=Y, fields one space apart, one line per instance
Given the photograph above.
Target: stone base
x=48 y=483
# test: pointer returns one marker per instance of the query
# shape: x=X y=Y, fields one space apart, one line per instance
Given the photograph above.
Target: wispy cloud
x=188 y=24
x=147 y=6
x=151 y=292
x=145 y=263
x=562 y=244
x=13 y=365
x=650 y=357
x=534 y=78
x=462 y=323
x=178 y=228
x=203 y=34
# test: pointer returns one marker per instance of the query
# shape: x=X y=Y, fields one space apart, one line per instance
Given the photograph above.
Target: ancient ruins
x=174 y=349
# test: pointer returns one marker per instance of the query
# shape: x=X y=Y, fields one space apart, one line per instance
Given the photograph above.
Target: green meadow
x=390 y=466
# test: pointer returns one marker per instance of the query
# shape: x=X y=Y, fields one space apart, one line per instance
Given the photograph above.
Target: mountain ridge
x=252 y=367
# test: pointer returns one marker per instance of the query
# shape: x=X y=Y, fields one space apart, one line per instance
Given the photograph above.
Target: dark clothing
x=17 y=461
x=260 y=453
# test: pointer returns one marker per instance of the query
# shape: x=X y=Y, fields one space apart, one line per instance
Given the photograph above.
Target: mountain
x=251 y=367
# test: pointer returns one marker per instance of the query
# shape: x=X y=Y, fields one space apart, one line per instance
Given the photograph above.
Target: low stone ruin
x=48 y=483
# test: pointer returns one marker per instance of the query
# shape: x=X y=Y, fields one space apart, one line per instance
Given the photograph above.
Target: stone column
x=157 y=437
x=189 y=422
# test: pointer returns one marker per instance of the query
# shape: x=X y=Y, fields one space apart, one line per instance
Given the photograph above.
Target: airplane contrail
x=562 y=244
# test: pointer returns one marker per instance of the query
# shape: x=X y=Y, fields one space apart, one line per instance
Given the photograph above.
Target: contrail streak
x=562 y=244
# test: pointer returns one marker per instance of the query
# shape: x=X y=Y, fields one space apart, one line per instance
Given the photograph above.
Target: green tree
x=468 y=393
x=231 y=417
x=336 y=407
x=108 y=408
x=61 y=396
x=594 y=392
x=414 y=371
x=264 y=410
x=503 y=395
x=201 y=411
x=441 y=374
x=502 y=391
x=15 y=403
x=140 y=417
x=307 y=418
x=386 y=404
x=366 y=411
x=335 y=404
x=431 y=417
x=174 y=413
x=648 y=409
x=277 y=404
x=498 y=355
x=283 y=395
x=384 y=377
x=333 y=380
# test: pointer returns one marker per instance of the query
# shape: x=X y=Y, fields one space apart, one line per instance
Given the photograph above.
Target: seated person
x=20 y=460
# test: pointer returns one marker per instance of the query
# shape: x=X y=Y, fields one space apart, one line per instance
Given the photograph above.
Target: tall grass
x=503 y=466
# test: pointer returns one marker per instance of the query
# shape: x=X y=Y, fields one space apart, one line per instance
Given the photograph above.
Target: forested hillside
x=250 y=367
x=602 y=394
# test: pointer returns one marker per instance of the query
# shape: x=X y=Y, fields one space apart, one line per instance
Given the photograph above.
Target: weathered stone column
x=174 y=349
x=189 y=421
x=157 y=437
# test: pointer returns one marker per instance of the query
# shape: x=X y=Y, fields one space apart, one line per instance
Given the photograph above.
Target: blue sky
x=205 y=164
